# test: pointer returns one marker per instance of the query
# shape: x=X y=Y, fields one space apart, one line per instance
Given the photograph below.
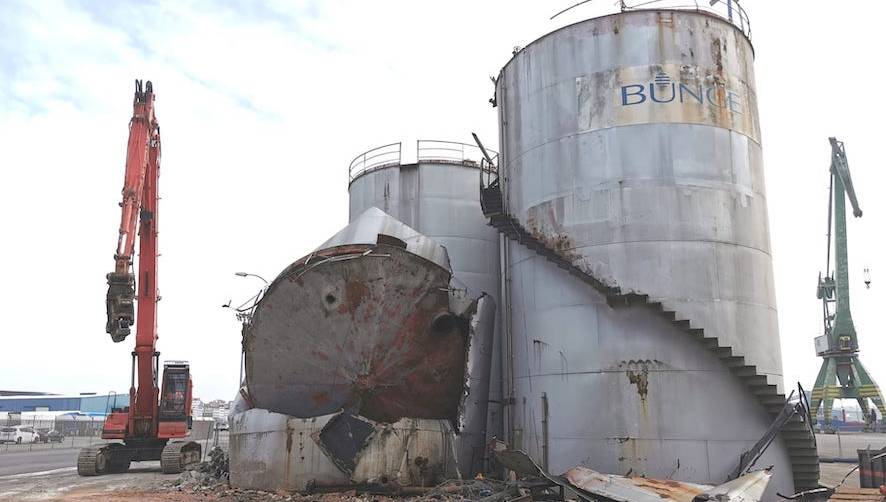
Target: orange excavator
x=148 y=428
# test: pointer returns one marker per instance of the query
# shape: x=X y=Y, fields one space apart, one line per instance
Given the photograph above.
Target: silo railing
x=731 y=10
x=377 y=158
x=427 y=150
x=432 y=150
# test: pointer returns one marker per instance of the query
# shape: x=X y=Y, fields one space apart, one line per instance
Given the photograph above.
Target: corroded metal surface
x=439 y=199
x=365 y=328
x=272 y=451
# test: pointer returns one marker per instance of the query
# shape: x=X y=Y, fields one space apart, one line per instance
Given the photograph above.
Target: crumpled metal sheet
x=748 y=488
x=594 y=486
x=365 y=229
x=409 y=452
x=637 y=489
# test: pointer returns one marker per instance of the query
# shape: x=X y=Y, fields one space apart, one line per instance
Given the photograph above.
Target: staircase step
x=764 y=390
x=804 y=452
x=798 y=441
x=796 y=427
x=774 y=409
x=778 y=399
x=733 y=362
x=668 y=314
x=682 y=324
x=805 y=460
x=745 y=371
x=755 y=380
x=807 y=471
x=710 y=343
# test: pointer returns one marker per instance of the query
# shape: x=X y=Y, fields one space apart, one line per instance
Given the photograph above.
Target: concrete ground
x=845 y=445
x=63 y=484
x=47 y=472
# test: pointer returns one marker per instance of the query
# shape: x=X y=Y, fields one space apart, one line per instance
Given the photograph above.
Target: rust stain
x=668 y=489
x=640 y=378
x=355 y=293
x=320 y=398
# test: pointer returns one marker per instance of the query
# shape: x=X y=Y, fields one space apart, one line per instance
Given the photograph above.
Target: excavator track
x=178 y=456
x=91 y=461
x=106 y=459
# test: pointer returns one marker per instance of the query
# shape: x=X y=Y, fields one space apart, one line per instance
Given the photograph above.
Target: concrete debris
x=209 y=487
x=209 y=474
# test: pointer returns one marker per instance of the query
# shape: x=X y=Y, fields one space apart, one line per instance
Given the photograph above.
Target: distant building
x=216 y=409
x=196 y=407
x=90 y=404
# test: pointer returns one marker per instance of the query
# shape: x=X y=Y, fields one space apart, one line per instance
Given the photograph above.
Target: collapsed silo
x=640 y=314
x=357 y=361
x=437 y=195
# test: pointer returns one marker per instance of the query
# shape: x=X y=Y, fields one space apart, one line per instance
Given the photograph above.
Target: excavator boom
x=142 y=151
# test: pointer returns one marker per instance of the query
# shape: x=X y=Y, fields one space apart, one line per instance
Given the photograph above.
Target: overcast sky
x=262 y=109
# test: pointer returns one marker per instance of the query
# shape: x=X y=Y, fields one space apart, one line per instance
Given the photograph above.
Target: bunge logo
x=664 y=90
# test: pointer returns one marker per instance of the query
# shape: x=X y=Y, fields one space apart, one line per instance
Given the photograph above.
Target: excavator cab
x=175 y=400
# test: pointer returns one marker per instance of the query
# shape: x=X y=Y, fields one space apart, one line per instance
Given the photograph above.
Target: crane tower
x=842 y=376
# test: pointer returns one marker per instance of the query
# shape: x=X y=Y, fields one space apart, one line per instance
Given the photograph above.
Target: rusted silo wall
x=631 y=143
x=438 y=196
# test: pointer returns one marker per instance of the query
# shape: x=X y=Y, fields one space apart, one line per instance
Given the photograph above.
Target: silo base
x=272 y=451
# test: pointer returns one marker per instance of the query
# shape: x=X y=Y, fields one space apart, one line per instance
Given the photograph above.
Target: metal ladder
x=799 y=439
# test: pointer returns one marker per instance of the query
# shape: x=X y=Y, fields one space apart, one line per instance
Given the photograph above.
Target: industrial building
x=92 y=404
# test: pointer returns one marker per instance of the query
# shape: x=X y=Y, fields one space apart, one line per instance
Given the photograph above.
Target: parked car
x=50 y=436
x=18 y=434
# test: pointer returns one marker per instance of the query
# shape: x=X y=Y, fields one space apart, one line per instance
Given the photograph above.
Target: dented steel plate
x=362 y=328
x=365 y=229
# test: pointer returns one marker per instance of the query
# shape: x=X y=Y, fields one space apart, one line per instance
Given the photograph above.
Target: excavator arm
x=840 y=167
x=143 y=147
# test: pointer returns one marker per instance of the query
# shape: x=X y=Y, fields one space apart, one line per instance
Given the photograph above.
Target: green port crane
x=842 y=376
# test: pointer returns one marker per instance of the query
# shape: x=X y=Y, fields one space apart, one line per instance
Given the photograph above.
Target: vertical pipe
x=507 y=353
x=544 y=431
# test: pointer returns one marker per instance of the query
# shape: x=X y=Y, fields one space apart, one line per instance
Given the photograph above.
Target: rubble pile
x=211 y=474
x=210 y=479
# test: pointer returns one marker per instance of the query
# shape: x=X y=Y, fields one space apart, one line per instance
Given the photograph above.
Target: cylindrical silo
x=631 y=143
x=438 y=196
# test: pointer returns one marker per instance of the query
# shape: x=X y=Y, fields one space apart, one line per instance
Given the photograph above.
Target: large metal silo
x=630 y=145
x=437 y=196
